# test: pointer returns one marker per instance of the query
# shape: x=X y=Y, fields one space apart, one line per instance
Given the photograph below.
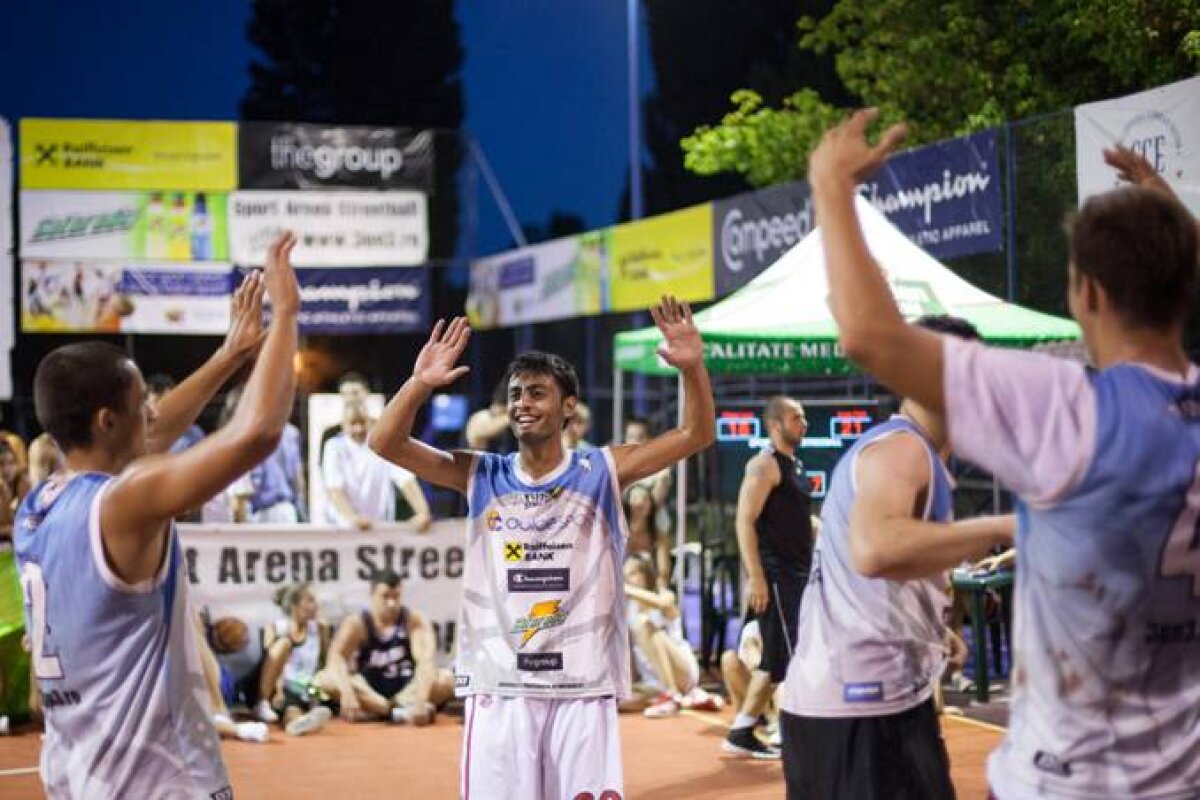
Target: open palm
x=436 y=363
x=682 y=347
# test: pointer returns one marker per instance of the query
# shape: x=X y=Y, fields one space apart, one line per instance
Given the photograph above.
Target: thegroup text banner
x=553 y=280
x=1161 y=124
x=284 y=155
x=125 y=297
x=364 y=300
x=752 y=230
x=155 y=226
x=945 y=197
x=335 y=229
x=126 y=154
x=667 y=254
x=234 y=571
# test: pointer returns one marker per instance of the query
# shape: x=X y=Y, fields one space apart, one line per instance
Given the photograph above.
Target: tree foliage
x=955 y=66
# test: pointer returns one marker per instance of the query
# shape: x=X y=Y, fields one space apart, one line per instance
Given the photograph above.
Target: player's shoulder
x=763 y=465
x=903 y=453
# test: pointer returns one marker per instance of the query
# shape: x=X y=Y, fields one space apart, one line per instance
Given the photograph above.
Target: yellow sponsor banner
x=119 y=154
x=667 y=254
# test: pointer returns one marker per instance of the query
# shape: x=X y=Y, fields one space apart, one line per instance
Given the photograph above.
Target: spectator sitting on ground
x=359 y=483
x=296 y=650
x=638 y=431
x=487 y=428
x=646 y=538
x=222 y=719
x=574 y=435
x=239 y=654
x=737 y=667
x=14 y=480
x=44 y=459
x=659 y=649
x=382 y=662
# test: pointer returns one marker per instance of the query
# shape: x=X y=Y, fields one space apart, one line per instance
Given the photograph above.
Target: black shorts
x=895 y=757
x=778 y=623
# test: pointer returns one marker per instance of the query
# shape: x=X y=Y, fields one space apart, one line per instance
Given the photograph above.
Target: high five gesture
x=435 y=365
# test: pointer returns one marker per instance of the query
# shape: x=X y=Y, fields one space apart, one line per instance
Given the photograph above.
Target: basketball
x=229 y=635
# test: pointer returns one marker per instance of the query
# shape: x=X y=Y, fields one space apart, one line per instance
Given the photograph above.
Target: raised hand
x=1134 y=168
x=280 y=278
x=682 y=347
x=246 y=333
x=844 y=153
x=435 y=365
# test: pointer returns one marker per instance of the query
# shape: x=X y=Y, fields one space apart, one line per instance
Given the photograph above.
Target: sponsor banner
x=364 y=300
x=1161 y=124
x=302 y=156
x=554 y=280
x=667 y=254
x=7 y=334
x=335 y=229
x=945 y=197
x=122 y=297
x=126 y=154
x=155 y=226
x=234 y=571
x=752 y=230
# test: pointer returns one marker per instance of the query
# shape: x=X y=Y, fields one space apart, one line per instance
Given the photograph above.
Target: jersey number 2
x=1181 y=555
x=47 y=668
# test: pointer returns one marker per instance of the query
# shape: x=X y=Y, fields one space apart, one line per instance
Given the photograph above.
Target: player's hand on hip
x=682 y=347
x=435 y=365
x=844 y=154
x=246 y=333
x=756 y=593
x=282 y=286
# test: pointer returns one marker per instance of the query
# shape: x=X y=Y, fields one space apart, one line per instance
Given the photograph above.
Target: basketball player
x=1107 y=653
x=859 y=719
x=113 y=642
x=382 y=662
x=543 y=648
x=775 y=540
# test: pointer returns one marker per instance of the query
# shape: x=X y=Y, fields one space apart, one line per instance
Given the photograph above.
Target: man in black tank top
x=382 y=661
x=775 y=538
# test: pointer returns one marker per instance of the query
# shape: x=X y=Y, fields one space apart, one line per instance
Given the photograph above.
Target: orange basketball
x=229 y=635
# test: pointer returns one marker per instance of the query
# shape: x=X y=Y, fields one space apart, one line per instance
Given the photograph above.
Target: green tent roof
x=780 y=324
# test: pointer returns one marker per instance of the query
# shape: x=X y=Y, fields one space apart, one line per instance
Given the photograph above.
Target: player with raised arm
x=1105 y=465
x=114 y=648
x=543 y=646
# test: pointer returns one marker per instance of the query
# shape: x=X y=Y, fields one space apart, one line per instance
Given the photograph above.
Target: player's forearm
x=699 y=412
x=747 y=538
x=343 y=505
x=392 y=431
x=904 y=548
x=180 y=407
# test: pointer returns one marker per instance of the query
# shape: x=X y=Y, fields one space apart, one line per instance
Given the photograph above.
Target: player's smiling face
x=536 y=408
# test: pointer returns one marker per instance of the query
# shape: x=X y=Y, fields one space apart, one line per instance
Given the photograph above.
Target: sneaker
x=264 y=713
x=667 y=707
x=253 y=732
x=961 y=683
x=411 y=714
x=743 y=742
x=313 y=721
x=699 y=700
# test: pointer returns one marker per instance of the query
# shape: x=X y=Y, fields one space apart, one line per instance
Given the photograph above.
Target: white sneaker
x=410 y=714
x=253 y=732
x=313 y=721
x=667 y=706
x=264 y=712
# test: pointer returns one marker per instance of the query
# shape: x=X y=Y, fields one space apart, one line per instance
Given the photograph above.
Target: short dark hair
x=160 y=383
x=385 y=577
x=951 y=326
x=539 y=363
x=75 y=381
x=775 y=407
x=1140 y=246
x=354 y=377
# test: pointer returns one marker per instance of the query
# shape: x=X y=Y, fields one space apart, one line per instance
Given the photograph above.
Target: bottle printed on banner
x=179 y=247
x=156 y=228
x=201 y=230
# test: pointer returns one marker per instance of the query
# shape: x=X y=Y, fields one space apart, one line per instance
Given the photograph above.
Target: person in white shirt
x=359 y=483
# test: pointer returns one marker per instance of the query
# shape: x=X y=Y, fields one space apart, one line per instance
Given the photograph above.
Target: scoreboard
x=833 y=427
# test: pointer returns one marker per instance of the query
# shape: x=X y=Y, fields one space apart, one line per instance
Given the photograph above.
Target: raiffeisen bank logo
x=543 y=615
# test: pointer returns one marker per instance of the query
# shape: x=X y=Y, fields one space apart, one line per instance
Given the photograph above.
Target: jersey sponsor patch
x=539 y=580
x=225 y=793
x=542 y=615
x=534 y=551
x=871 y=692
x=539 y=662
x=462 y=681
x=1048 y=762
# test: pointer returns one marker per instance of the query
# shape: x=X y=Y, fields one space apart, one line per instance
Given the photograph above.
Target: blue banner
x=945 y=197
x=364 y=300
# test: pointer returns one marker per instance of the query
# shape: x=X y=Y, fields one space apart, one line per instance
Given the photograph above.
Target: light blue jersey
x=1106 y=692
x=867 y=647
x=543 y=609
x=127 y=710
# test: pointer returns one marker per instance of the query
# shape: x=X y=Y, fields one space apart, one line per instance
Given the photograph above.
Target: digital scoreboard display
x=833 y=427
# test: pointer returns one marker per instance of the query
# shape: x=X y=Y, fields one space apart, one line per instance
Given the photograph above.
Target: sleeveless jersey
x=785 y=540
x=127 y=709
x=543 y=609
x=1107 y=629
x=867 y=647
x=387 y=661
x=304 y=659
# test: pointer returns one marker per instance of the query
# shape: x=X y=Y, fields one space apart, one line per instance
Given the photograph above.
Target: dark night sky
x=545 y=84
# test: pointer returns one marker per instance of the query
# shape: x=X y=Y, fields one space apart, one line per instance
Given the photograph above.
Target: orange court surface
x=665 y=759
